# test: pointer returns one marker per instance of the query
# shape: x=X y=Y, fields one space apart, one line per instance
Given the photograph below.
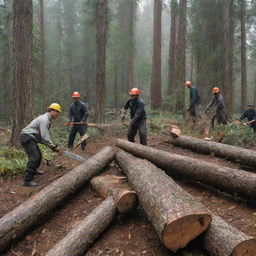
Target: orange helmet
x=215 y=90
x=188 y=83
x=134 y=91
x=75 y=95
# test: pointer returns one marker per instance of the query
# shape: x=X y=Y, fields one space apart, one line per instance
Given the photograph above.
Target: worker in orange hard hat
x=218 y=101
x=138 y=116
x=38 y=132
x=78 y=114
x=195 y=101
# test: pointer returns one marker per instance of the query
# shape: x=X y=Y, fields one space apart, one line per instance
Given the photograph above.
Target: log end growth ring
x=246 y=248
x=127 y=202
x=179 y=233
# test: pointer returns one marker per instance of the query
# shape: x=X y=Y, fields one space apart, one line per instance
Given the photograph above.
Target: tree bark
x=236 y=154
x=222 y=239
x=23 y=66
x=243 y=55
x=173 y=45
x=125 y=198
x=101 y=19
x=177 y=217
x=233 y=181
x=79 y=239
x=156 y=98
x=181 y=57
x=42 y=52
x=16 y=222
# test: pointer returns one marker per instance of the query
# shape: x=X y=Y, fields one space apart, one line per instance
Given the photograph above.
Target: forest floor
x=129 y=234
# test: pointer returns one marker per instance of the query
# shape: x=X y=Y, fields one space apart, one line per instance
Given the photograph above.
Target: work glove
x=54 y=148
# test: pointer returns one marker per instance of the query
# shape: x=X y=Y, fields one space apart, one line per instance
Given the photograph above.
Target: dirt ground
x=129 y=234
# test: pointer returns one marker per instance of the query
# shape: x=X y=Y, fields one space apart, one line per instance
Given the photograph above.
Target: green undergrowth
x=12 y=161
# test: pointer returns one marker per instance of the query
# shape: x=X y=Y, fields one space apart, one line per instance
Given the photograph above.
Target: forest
x=185 y=185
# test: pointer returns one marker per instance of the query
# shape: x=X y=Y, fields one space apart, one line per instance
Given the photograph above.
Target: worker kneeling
x=138 y=117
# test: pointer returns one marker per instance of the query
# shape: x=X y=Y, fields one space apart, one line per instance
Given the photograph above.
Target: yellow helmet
x=55 y=106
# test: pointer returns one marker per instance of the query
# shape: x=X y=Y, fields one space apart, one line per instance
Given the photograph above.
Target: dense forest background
x=102 y=48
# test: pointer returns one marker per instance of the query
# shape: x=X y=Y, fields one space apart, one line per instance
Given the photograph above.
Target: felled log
x=222 y=239
x=233 y=181
x=177 y=217
x=79 y=239
x=16 y=222
x=125 y=198
x=236 y=154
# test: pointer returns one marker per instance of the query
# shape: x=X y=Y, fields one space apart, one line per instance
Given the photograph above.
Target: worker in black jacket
x=195 y=101
x=218 y=101
x=138 y=117
x=250 y=114
x=78 y=114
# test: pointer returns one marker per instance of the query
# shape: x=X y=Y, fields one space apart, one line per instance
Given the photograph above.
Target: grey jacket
x=39 y=129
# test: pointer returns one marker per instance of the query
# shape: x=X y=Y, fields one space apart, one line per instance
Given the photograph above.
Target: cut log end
x=178 y=234
x=127 y=202
x=246 y=248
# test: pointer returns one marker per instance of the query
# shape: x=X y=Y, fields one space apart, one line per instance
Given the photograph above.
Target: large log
x=222 y=239
x=234 y=181
x=86 y=232
x=236 y=154
x=116 y=186
x=16 y=222
x=177 y=217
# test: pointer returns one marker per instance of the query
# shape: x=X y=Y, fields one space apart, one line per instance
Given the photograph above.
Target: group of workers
x=38 y=130
x=220 y=113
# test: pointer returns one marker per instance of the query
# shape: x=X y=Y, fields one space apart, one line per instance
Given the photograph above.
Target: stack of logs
x=177 y=217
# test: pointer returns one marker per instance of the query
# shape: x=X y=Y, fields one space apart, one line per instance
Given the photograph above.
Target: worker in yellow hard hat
x=38 y=132
x=218 y=101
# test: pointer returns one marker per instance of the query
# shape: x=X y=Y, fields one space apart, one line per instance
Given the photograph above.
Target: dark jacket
x=194 y=97
x=218 y=101
x=137 y=110
x=78 y=112
x=250 y=114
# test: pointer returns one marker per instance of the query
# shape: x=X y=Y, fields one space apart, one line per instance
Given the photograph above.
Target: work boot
x=38 y=172
x=30 y=184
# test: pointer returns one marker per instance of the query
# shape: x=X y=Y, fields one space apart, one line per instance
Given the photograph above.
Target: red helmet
x=188 y=83
x=215 y=90
x=75 y=95
x=134 y=91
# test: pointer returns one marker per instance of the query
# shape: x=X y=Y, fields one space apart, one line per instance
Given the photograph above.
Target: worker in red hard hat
x=218 y=101
x=138 y=116
x=78 y=114
x=195 y=101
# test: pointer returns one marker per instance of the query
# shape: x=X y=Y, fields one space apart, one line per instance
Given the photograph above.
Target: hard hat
x=215 y=90
x=188 y=83
x=55 y=106
x=134 y=91
x=75 y=95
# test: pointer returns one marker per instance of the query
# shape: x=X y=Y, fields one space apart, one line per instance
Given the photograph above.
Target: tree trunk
x=236 y=154
x=229 y=180
x=172 y=48
x=23 y=66
x=156 y=98
x=116 y=82
x=80 y=238
x=226 y=53
x=42 y=52
x=126 y=199
x=18 y=221
x=181 y=56
x=177 y=217
x=222 y=239
x=243 y=55
x=101 y=19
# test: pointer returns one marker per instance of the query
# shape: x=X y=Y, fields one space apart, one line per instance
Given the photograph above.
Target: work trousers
x=142 y=127
x=220 y=116
x=81 y=128
x=34 y=155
